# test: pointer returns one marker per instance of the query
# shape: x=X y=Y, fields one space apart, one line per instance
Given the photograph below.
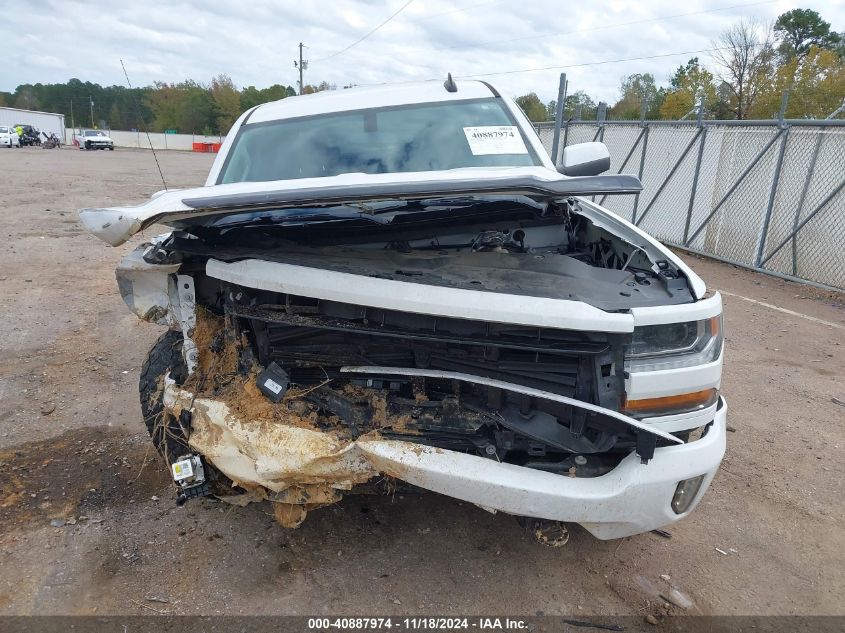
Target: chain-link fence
x=768 y=195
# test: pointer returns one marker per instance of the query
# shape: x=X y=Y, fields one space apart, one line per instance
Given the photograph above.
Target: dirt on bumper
x=289 y=462
x=300 y=469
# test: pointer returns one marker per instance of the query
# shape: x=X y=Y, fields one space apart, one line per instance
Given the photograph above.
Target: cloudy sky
x=255 y=42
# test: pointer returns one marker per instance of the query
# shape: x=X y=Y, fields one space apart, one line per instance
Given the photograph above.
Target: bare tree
x=745 y=54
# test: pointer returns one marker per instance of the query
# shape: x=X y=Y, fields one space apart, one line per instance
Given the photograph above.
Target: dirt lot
x=73 y=449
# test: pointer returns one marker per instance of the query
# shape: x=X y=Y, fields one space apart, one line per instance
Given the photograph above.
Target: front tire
x=169 y=433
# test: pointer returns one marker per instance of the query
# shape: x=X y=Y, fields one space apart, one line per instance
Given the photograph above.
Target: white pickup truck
x=397 y=285
x=93 y=139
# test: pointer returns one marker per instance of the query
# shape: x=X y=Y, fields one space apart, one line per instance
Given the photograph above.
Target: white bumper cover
x=631 y=499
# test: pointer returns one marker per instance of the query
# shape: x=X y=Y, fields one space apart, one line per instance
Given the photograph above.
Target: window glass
x=418 y=137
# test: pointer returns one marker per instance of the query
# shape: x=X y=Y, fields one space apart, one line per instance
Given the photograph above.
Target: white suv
x=395 y=285
x=9 y=137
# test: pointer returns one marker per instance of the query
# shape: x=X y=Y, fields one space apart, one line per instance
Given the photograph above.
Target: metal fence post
x=640 y=173
x=761 y=243
x=697 y=168
x=561 y=97
x=602 y=117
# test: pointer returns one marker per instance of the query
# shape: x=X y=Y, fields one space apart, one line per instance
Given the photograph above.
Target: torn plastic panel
x=301 y=468
x=645 y=434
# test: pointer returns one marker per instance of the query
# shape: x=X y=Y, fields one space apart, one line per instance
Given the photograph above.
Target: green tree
x=840 y=48
x=114 y=117
x=27 y=99
x=165 y=101
x=196 y=110
x=227 y=102
x=634 y=90
x=816 y=85
x=576 y=99
x=323 y=85
x=551 y=110
x=686 y=87
x=800 y=29
x=252 y=96
x=532 y=107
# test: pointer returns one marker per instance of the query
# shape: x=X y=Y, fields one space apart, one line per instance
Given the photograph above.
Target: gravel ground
x=87 y=516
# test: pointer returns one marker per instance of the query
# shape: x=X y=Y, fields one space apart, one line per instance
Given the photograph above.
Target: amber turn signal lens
x=672 y=404
x=715 y=326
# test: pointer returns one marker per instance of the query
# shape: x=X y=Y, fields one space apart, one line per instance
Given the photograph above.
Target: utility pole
x=91 y=102
x=302 y=65
x=72 y=123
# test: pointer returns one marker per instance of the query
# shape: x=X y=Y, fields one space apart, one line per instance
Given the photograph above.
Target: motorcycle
x=51 y=141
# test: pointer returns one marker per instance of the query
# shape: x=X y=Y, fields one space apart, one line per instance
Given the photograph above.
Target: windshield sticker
x=495 y=139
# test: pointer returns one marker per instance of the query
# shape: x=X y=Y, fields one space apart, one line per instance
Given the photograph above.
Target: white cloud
x=256 y=43
x=44 y=61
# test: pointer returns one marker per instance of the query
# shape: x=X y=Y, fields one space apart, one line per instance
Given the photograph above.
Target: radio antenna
x=141 y=123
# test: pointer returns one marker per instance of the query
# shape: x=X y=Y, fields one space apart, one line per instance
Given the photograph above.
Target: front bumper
x=631 y=499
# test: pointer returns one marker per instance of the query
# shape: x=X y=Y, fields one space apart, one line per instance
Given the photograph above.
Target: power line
x=607 y=26
x=598 y=63
x=361 y=39
x=426 y=18
x=586 y=30
x=529 y=70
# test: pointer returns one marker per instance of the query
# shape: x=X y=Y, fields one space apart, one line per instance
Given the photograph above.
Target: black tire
x=169 y=434
x=111 y=149
x=87 y=145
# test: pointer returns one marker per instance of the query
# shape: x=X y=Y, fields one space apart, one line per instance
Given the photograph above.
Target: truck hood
x=181 y=207
x=115 y=225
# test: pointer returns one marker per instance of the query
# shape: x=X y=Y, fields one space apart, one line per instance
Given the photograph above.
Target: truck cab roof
x=328 y=101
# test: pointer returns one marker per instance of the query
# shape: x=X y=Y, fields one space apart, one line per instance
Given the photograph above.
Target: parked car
x=9 y=137
x=94 y=139
x=397 y=285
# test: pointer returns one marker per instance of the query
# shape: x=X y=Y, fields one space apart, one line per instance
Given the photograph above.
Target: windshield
x=418 y=137
x=93 y=133
x=4 y=130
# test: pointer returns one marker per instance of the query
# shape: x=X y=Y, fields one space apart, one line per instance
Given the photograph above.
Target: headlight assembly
x=675 y=345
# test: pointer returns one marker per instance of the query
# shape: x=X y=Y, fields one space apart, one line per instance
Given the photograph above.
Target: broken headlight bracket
x=189 y=475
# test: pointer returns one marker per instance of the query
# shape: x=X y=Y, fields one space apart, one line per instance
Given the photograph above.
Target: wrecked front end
x=476 y=347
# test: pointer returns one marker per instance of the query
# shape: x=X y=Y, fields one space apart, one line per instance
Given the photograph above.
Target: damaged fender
x=147 y=288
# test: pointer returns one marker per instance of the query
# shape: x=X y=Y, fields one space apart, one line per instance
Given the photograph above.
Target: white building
x=43 y=121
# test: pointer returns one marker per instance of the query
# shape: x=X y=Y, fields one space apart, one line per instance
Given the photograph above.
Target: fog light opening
x=685 y=493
